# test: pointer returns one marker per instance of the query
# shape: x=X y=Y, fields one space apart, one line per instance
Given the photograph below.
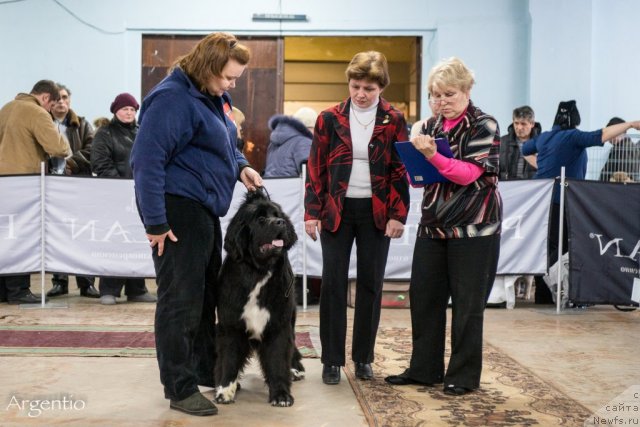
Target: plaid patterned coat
x=331 y=158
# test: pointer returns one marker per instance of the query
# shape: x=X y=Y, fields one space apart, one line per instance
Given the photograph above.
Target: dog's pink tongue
x=278 y=243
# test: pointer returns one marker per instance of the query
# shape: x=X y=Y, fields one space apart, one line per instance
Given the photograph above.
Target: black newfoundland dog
x=256 y=302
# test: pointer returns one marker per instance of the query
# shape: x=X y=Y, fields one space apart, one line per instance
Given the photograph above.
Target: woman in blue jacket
x=185 y=165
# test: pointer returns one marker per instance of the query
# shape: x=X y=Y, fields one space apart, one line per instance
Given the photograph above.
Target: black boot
x=89 y=292
x=58 y=289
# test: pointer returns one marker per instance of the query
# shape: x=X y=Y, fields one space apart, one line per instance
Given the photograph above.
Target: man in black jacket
x=513 y=165
x=79 y=133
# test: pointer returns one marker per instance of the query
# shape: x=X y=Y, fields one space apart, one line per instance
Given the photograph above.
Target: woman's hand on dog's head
x=310 y=227
x=251 y=179
x=158 y=240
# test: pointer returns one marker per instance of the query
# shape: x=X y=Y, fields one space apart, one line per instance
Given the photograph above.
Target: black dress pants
x=14 y=287
x=83 y=282
x=372 y=249
x=185 y=312
x=465 y=270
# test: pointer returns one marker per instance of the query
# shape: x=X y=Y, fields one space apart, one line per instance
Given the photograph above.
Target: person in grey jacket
x=290 y=142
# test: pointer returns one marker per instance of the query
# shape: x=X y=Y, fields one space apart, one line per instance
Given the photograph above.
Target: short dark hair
x=63 y=87
x=46 y=86
x=524 y=112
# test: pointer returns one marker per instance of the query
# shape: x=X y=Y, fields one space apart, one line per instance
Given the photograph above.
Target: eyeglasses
x=447 y=97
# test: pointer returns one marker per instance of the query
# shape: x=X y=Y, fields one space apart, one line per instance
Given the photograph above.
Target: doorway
x=286 y=73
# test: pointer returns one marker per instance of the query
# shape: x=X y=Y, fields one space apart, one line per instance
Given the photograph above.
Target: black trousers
x=372 y=249
x=185 y=312
x=463 y=269
x=133 y=286
x=14 y=287
x=83 y=282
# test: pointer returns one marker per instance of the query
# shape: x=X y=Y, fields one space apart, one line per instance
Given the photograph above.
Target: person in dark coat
x=513 y=165
x=110 y=158
x=79 y=133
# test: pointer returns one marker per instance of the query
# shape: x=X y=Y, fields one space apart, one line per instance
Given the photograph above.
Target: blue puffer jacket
x=186 y=146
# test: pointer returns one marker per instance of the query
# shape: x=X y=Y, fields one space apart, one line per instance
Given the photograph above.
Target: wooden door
x=258 y=93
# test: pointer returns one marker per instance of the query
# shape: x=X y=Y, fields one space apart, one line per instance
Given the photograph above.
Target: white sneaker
x=108 y=300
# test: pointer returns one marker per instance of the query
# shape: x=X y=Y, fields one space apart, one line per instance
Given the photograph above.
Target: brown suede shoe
x=196 y=404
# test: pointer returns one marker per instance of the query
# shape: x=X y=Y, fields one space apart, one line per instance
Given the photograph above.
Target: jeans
x=185 y=312
x=463 y=269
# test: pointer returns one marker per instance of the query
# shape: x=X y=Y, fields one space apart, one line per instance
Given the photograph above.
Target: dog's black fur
x=256 y=301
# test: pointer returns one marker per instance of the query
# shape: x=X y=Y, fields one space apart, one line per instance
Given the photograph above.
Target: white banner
x=92 y=227
x=20 y=224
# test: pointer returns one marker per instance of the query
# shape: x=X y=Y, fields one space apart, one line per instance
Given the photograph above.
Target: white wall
x=537 y=52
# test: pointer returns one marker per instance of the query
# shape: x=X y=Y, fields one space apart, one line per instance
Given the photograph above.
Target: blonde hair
x=370 y=66
x=450 y=72
x=210 y=55
x=238 y=115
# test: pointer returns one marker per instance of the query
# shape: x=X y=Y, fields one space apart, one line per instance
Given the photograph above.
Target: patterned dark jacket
x=451 y=210
x=330 y=162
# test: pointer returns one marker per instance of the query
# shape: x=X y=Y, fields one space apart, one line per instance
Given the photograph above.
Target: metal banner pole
x=42 y=294
x=303 y=178
x=560 y=234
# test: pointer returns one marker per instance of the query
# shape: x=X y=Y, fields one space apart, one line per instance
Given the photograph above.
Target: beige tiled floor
x=591 y=355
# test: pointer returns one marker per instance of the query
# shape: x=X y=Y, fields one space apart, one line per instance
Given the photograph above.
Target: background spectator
x=110 y=158
x=289 y=143
x=27 y=137
x=513 y=165
x=79 y=134
x=623 y=162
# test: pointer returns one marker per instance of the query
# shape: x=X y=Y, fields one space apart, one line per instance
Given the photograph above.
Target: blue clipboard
x=421 y=172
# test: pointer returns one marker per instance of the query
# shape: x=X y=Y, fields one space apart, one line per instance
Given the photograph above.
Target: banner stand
x=560 y=248
x=304 y=240
x=43 y=303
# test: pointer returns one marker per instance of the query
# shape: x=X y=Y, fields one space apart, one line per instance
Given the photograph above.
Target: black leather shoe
x=330 y=374
x=454 y=390
x=405 y=379
x=58 y=290
x=364 y=371
x=90 y=292
x=27 y=298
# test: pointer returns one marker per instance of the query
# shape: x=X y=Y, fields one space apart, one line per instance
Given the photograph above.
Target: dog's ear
x=236 y=239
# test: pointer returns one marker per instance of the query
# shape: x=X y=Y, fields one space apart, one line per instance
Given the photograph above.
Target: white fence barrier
x=92 y=227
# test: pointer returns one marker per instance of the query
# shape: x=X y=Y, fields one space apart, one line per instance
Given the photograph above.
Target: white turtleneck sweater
x=360 y=179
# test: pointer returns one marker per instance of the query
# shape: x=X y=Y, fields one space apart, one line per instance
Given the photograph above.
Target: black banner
x=604 y=241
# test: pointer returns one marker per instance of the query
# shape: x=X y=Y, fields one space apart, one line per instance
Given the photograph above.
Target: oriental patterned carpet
x=509 y=394
x=103 y=340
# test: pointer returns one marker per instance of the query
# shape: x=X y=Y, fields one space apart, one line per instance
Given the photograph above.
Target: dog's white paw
x=297 y=375
x=282 y=400
x=226 y=394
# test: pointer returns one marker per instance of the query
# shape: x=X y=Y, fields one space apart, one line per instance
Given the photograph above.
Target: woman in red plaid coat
x=356 y=189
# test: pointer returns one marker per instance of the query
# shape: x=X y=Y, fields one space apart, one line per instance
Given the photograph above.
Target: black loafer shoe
x=364 y=371
x=330 y=374
x=405 y=379
x=27 y=298
x=58 y=290
x=454 y=390
x=89 y=292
